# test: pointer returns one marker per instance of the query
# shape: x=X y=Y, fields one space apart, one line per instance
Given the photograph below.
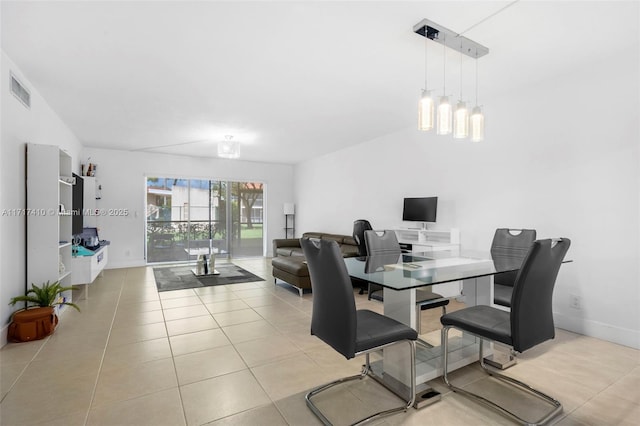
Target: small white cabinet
x=85 y=269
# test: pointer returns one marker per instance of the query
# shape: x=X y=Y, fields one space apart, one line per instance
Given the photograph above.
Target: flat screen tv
x=421 y=209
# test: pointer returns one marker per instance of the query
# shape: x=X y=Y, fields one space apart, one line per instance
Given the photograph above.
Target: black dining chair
x=509 y=246
x=359 y=226
x=529 y=323
x=386 y=243
x=351 y=332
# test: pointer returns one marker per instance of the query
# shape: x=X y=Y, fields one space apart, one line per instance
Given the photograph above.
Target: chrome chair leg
x=556 y=405
x=363 y=374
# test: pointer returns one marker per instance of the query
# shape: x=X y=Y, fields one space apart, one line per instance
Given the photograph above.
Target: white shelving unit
x=417 y=240
x=430 y=240
x=49 y=198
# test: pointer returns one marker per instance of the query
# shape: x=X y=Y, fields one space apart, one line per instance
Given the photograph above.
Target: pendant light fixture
x=461 y=116
x=426 y=104
x=444 y=107
x=228 y=148
x=477 y=117
x=445 y=124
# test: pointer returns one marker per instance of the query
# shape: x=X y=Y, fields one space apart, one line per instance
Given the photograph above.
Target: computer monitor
x=422 y=209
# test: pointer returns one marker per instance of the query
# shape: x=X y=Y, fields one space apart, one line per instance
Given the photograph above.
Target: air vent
x=20 y=92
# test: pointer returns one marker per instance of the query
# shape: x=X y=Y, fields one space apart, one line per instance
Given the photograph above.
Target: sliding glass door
x=189 y=217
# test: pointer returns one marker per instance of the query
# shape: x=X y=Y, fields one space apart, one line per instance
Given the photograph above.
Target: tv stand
x=429 y=239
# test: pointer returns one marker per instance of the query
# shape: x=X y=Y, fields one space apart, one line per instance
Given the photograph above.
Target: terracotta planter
x=32 y=324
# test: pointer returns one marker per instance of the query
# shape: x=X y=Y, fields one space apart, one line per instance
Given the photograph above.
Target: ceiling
x=289 y=80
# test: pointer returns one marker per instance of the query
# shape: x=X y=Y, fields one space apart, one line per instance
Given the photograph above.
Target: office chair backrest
x=333 y=318
x=531 y=308
x=386 y=243
x=359 y=226
x=509 y=246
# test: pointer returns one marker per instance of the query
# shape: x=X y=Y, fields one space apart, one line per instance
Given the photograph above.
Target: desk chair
x=351 y=332
x=359 y=226
x=509 y=246
x=387 y=244
x=529 y=323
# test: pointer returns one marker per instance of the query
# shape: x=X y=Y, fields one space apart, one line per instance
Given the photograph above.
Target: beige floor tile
x=607 y=410
x=264 y=300
x=156 y=409
x=75 y=418
x=282 y=314
x=185 y=312
x=264 y=416
x=59 y=396
x=267 y=349
x=242 y=286
x=134 y=380
x=9 y=373
x=136 y=353
x=218 y=297
x=51 y=370
x=236 y=317
x=293 y=375
x=254 y=292
x=180 y=302
x=190 y=325
x=222 y=396
x=208 y=363
x=226 y=306
x=139 y=296
x=129 y=318
x=174 y=294
x=249 y=331
x=627 y=388
x=20 y=352
x=137 y=333
x=198 y=341
x=295 y=411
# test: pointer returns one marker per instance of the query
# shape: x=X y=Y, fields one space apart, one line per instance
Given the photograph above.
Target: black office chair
x=359 y=226
x=387 y=244
x=509 y=246
x=529 y=323
x=351 y=332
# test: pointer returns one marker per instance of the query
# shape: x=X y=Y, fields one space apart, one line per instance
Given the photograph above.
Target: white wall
x=560 y=156
x=122 y=176
x=20 y=125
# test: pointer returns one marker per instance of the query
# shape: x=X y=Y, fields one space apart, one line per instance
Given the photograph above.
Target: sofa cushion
x=294 y=265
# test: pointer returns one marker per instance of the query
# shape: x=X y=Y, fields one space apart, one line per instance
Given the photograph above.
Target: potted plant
x=38 y=319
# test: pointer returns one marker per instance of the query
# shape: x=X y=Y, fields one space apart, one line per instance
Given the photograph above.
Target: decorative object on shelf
x=289 y=220
x=61 y=267
x=445 y=124
x=228 y=148
x=38 y=319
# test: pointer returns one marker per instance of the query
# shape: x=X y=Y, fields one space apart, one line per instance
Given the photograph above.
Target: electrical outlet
x=575 y=301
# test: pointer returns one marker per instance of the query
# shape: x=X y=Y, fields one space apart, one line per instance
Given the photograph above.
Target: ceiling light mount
x=450 y=39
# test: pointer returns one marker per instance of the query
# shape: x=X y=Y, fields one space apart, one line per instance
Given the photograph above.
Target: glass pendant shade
x=228 y=148
x=477 y=125
x=461 y=121
x=445 y=117
x=426 y=110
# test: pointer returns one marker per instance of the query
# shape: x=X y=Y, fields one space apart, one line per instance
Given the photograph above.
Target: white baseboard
x=3 y=335
x=125 y=264
x=599 y=330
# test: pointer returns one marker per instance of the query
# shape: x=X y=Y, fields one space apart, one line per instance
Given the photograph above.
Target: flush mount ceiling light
x=444 y=121
x=228 y=148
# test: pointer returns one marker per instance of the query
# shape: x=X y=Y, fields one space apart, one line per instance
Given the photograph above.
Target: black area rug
x=180 y=277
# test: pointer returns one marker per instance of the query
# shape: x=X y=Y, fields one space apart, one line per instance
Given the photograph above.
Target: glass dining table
x=467 y=275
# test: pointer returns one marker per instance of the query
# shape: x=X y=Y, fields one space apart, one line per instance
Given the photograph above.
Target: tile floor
x=242 y=354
